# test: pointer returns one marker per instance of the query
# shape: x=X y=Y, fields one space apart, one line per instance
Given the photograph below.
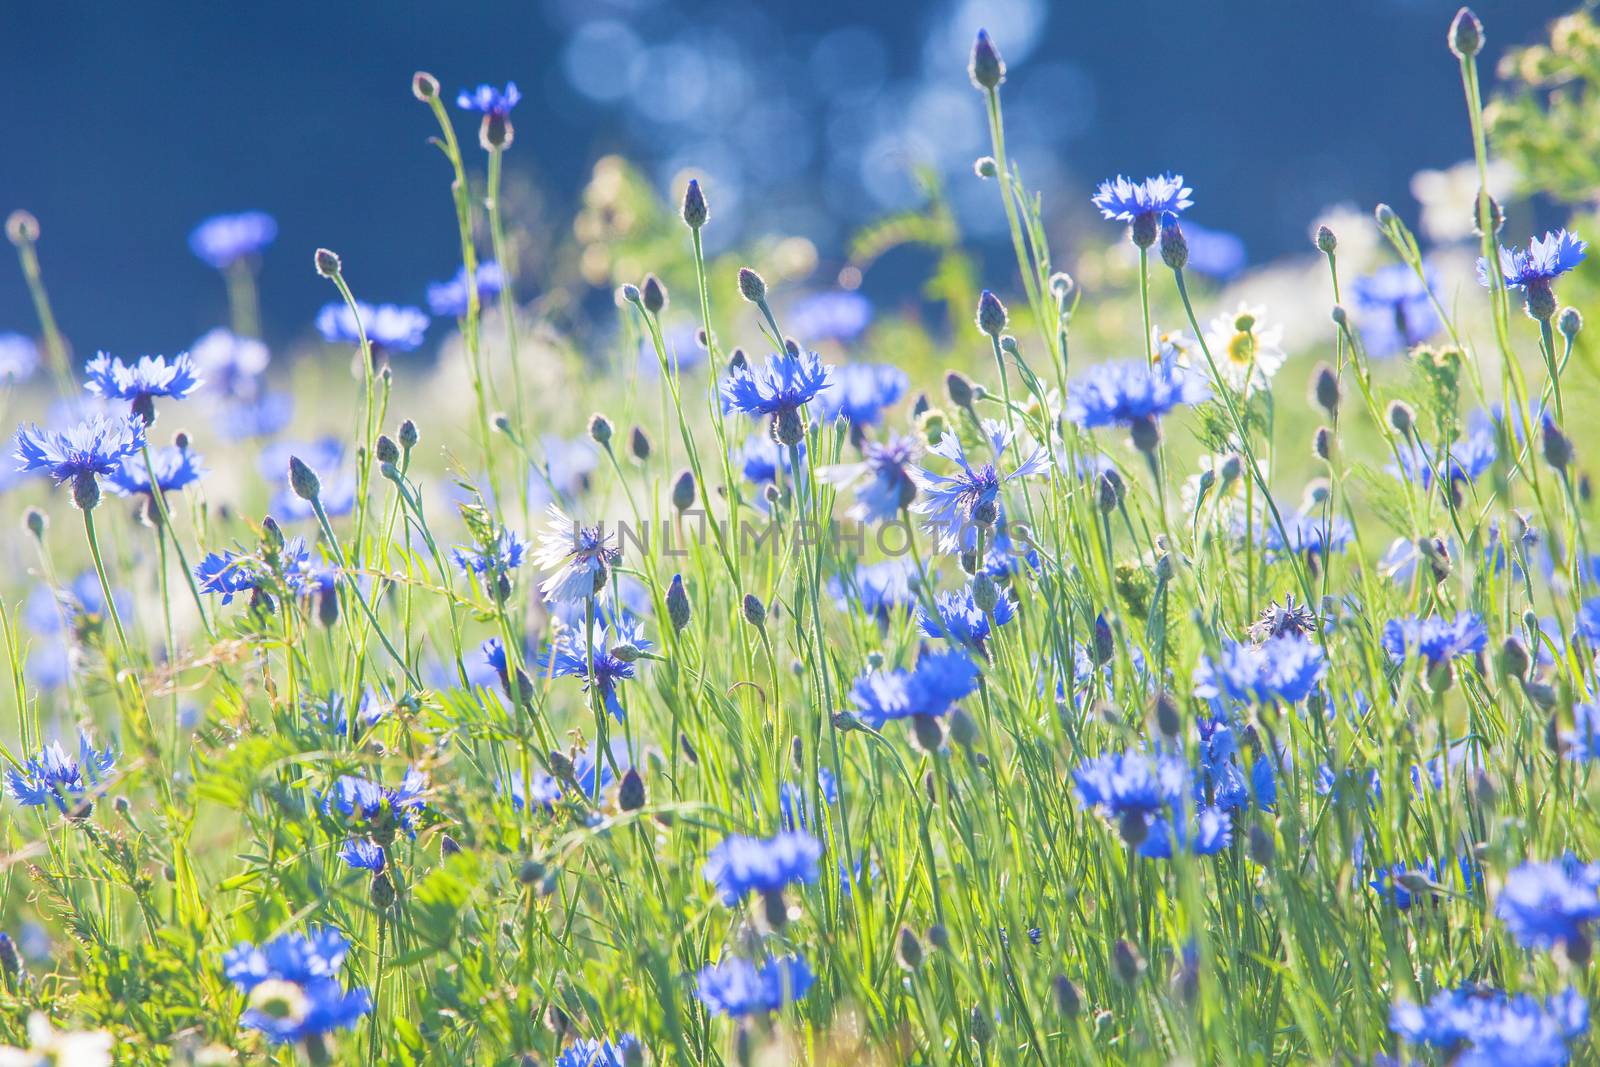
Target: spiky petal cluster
x=781 y=387
x=54 y=777
x=1485 y=1027
x=601 y=1052
x=1549 y=904
x=449 y=299
x=961 y=621
x=92 y=449
x=223 y=240
x=1435 y=639
x=738 y=987
x=938 y=681
x=581 y=558
x=142 y=381
x=957 y=505
x=1544 y=260
x=1125 y=200
x=740 y=866
x=1280 y=670
x=387 y=326
x=569 y=655
x=488 y=100
x=1131 y=391
x=291 y=986
x=859 y=392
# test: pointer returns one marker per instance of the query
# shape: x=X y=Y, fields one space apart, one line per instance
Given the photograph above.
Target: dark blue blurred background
x=127 y=123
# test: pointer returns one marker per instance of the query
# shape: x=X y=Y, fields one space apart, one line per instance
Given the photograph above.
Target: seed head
x=328 y=264
x=424 y=86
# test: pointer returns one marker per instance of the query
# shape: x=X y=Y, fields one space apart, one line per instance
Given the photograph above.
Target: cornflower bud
x=695 y=211
x=986 y=69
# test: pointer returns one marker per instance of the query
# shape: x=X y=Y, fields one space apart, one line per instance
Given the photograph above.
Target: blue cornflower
x=880 y=589
x=1305 y=533
x=1434 y=639
x=740 y=866
x=737 y=987
x=794 y=802
x=56 y=778
x=506 y=554
x=961 y=621
x=19 y=358
x=938 y=681
x=591 y=774
x=231 y=365
x=1486 y=1028
x=1219 y=780
x=265 y=415
x=1207 y=832
x=1131 y=393
x=1396 y=308
x=580 y=556
x=364 y=854
x=1403 y=885
x=1588 y=621
x=1544 y=260
x=957 y=505
x=81 y=454
x=333 y=712
x=1283 y=669
x=1124 y=200
x=448 y=300
x=489 y=100
x=1132 y=788
x=227 y=573
x=779 y=390
x=141 y=382
x=1468 y=459
x=1546 y=904
x=389 y=327
x=590 y=1052
x=761 y=460
x=176 y=469
x=835 y=316
x=884 y=479
x=378 y=808
x=291 y=986
x=568 y=655
x=860 y=391
x=223 y=240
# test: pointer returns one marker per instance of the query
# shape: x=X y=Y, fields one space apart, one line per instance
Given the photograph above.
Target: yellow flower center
x=1242 y=347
